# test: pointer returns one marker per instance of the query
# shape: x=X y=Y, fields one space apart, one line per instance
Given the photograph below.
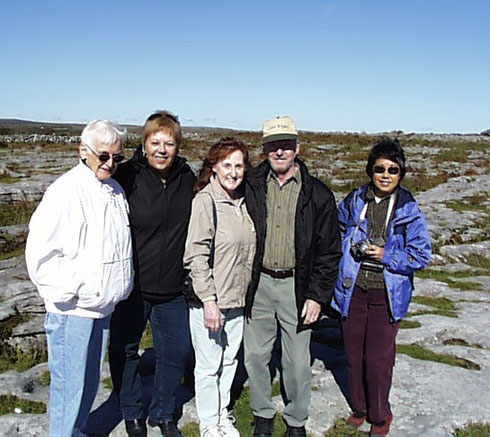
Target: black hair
x=389 y=149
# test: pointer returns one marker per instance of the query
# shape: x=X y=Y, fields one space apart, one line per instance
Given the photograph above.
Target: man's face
x=103 y=170
x=281 y=154
x=161 y=150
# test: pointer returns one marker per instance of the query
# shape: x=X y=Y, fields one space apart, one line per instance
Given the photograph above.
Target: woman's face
x=230 y=171
x=386 y=176
x=161 y=150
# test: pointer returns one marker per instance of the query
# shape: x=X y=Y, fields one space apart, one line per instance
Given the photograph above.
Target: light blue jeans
x=216 y=362
x=76 y=348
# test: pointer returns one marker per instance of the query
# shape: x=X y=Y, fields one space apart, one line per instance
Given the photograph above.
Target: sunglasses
x=104 y=156
x=391 y=170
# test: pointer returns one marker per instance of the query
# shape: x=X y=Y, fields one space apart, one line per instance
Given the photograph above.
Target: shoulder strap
x=215 y=222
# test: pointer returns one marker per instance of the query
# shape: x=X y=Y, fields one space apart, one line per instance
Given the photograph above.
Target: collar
x=295 y=178
x=221 y=194
x=371 y=196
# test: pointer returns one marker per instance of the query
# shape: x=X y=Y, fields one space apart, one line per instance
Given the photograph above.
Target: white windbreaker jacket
x=78 y=251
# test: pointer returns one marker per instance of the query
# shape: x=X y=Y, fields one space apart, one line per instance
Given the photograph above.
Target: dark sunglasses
x=391 y=170
x=104 y=156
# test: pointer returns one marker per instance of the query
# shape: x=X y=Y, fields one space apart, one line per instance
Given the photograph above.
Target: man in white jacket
x=79 y=256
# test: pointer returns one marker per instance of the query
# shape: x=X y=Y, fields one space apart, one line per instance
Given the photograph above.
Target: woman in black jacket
x=159 y=188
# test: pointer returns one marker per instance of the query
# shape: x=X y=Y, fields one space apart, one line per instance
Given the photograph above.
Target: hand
x=212 y=316
x=311 y=311
x=375 y=252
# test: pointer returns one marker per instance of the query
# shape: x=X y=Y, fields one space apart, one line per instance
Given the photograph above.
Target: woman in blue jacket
x=385 y=240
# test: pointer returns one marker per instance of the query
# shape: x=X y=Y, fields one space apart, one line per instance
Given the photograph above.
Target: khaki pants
x=275 y=306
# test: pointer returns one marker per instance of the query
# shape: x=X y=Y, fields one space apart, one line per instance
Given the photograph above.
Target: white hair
x=102 y=132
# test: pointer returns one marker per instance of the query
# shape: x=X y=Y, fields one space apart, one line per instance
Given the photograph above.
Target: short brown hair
x=219 y=151
x=162 y=120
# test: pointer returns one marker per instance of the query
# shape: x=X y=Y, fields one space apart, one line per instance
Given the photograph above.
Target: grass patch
x=478 y=261
x=12 y=246
x=16 y=213
x=442 y=306
x=44 y=378
x=107 y=382
x=410 y=324
x=8 y=404
x=474 y=430
x=476 y=202
x=440 y=303
x=190 y=429
x=12 y=357
x=461 y=342
x=421 y=353
x=9 y=180
x=244 y=417
x=341 y=429
x=435 y=312
x=443 y=276
x=423 y=182
x=147 y=338
x=464 y=285
x=448 y=278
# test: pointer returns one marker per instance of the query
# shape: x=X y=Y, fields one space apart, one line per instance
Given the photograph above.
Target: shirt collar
x=295 y=178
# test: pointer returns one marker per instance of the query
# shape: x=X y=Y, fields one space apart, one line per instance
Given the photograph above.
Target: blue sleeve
x=409 y=251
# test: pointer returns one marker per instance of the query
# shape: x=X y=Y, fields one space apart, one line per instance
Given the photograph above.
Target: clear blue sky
x=333 y=65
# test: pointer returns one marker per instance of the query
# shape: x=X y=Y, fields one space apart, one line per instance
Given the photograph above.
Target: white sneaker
x=227 y=428
x=211 y=431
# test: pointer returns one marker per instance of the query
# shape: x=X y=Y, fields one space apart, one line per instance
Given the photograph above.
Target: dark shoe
x=356 y=419
x=295 y=431
x=263 y=427
x=136 y=427
x=167 y=427
x=381 y=429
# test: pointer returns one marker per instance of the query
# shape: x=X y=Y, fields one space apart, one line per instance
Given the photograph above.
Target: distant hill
x=9 y=126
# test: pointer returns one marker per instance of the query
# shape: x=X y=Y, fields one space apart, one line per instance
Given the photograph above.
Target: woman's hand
x=375 y=252
x=212 y=316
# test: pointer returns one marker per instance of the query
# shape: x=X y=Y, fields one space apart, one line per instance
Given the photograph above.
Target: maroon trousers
x=369 y=340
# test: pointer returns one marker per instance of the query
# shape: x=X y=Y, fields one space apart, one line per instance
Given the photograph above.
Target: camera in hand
x=358 y=251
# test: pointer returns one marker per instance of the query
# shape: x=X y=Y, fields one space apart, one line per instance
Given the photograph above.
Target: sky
x=333 y=65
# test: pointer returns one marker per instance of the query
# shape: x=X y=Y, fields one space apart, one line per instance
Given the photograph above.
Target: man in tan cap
x=294 y=273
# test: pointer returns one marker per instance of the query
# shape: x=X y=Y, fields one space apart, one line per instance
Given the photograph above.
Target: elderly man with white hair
x=79 y=256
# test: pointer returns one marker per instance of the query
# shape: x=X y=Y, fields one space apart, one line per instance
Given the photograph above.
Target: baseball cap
x=279 y=128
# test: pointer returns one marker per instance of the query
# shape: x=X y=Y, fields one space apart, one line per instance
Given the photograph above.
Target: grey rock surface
x=428 y=398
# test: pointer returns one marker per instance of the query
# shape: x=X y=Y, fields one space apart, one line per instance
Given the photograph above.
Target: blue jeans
x=171 y=341
x=75 y=350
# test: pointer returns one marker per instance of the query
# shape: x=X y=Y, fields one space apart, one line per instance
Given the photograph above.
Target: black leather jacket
x=317 y=236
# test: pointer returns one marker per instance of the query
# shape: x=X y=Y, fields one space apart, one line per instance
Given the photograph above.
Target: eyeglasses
x=391 y=170
x=104 y=156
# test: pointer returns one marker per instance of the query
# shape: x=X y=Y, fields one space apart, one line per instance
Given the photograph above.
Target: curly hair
x=388 y=149
x=219 y=151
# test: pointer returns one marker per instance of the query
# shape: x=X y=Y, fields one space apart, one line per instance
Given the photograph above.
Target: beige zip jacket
x=234 y=246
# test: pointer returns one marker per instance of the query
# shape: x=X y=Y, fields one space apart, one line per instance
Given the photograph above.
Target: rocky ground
x=428 y=398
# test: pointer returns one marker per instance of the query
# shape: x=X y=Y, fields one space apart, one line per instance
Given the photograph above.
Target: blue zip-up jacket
x=408 y=249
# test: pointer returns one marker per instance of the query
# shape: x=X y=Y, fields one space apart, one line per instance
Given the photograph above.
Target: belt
x=277 y=274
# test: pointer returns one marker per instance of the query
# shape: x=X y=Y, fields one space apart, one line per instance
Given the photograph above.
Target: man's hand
x=311 y=311
x=212 y=316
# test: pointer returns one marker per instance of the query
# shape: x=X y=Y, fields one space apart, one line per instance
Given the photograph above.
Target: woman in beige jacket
x=219 y=253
